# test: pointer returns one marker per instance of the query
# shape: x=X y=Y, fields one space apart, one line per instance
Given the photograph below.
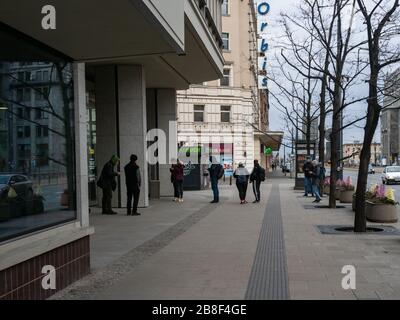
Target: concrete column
x=121 y=122
x=167 y=109
x=82 y=194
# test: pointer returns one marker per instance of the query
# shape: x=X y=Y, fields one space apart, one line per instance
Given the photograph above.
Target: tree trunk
x=360 y=220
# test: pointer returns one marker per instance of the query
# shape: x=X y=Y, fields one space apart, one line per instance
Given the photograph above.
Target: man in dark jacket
x=256 y=177
x=216 y=171
x=133 y=183
x=109 y=184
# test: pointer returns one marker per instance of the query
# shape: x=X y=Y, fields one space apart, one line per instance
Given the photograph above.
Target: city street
x=273 y=250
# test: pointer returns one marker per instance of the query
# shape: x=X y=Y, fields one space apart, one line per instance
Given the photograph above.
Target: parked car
x=371 y=169
x=20 y=183
x=391 y=174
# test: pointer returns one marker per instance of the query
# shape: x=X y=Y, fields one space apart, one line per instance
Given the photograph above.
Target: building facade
x=352 y=151
x=233 y=111
x=390 y=120
x=67 y=104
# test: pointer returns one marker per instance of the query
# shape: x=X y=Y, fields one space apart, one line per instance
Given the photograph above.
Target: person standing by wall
x=256 y=177
x=133 y=183
x=108 y=183
x=242 y=181
x=177 y=178
x=216 y=171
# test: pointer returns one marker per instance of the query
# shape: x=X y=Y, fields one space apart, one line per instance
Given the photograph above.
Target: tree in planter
x=382 y=26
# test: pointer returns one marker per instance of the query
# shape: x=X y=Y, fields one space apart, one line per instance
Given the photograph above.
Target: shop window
x=45 y=195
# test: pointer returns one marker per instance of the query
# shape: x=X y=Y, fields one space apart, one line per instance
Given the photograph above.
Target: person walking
x=216 y=171
x=133 y=183
x=242 y=181
x=307 y=169
x=108 y=183
x=316 y=179
x=177 y=178
x=256 y=177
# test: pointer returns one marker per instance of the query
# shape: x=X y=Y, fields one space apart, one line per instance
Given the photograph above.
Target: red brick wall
x=24 y=281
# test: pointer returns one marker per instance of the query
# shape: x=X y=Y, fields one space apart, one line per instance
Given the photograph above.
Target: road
x=372 y=179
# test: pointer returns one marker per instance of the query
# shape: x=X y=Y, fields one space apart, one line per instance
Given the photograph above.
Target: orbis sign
x=262 y=10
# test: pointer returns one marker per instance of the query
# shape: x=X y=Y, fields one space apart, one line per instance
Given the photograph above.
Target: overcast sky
x=276 y=123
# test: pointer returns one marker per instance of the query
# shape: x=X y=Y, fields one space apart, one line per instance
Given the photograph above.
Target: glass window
x=199 y=113
x=45 y=194
x=226 y=80
x=27 y=131
x=225 y=40
x=225 y=113
x=225 y=7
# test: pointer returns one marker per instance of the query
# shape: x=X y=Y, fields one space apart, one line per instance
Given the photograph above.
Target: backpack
x=262 y=174
x=221 y=172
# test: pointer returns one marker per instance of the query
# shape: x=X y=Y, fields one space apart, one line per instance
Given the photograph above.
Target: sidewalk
x=270 y=250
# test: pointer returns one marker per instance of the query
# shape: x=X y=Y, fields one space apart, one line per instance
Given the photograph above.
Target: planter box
x=326 y=190
x=381 y=213
x=346 y=196
x=337 y=194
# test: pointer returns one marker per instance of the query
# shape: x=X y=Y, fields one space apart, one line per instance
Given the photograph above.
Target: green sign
x=267 y=151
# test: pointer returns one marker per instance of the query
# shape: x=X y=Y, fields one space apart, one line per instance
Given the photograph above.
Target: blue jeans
x=214 y=187
x=315 y=189
x=308 y=186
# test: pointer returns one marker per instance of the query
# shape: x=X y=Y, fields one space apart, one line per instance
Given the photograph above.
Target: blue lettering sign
x=263 y=8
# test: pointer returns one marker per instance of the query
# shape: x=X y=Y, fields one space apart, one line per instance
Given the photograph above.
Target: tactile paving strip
x=269 y=276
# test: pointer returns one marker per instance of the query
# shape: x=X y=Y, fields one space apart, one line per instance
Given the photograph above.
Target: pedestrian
x=177 y=178
x=307 y=169
x=242 y=181
x=108 y=183
x=133 y=183
x=256 y=177
x=216 y=171
x=316 y=179
x=273 y=166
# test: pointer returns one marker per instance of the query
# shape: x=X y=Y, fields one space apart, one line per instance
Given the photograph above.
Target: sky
x=276 y=122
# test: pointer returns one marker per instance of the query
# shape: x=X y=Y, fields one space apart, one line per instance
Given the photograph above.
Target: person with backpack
x=315 y=178
x=177 y=177
x=108 y=183
x=216 y=171
x=256 y=177
x=242 y=181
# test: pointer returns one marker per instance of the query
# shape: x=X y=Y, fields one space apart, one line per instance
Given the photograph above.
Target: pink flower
x=381 y=192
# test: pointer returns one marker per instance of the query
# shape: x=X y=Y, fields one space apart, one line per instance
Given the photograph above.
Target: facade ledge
x=33 y=245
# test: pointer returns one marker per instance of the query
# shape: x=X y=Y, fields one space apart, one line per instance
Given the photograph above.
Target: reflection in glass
x=37 y=174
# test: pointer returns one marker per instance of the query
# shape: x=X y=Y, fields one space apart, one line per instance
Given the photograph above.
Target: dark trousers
x=133 y=194
x=178 y=189
x=214 y=187
x=256 y=190
x=242 y=187
x=107 y=197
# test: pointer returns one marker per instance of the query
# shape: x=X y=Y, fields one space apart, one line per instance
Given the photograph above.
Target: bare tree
x=381 y=18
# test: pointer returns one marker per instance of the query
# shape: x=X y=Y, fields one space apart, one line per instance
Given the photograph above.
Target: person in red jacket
x=177 y=180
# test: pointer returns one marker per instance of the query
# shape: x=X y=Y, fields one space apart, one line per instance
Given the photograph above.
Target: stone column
x=121 y=123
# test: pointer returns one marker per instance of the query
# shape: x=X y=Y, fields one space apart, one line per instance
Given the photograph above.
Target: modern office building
x=390 y=120
x=229 y=116
x=79 y=83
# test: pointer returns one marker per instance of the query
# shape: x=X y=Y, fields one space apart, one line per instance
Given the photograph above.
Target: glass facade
x=37 y=163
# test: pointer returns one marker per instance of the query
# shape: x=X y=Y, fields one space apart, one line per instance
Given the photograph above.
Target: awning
x=271 y=139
